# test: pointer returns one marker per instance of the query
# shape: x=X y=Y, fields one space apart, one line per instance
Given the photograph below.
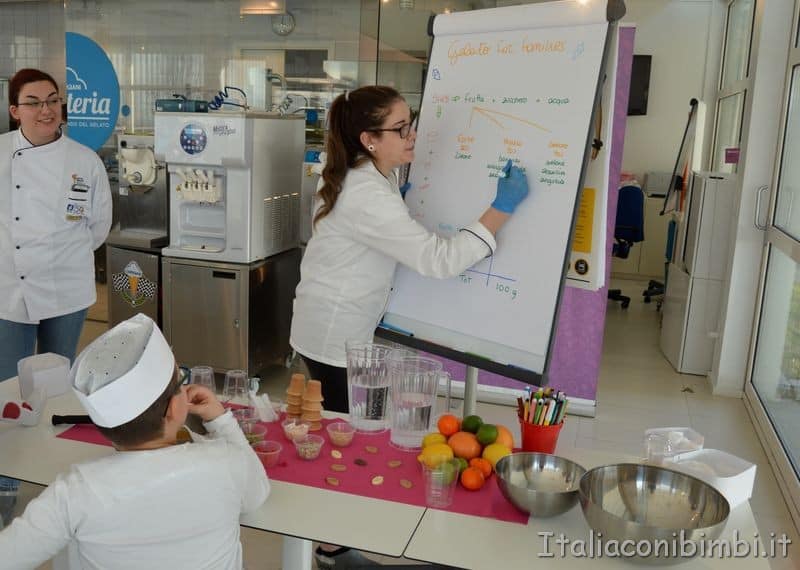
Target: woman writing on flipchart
x=362 y=229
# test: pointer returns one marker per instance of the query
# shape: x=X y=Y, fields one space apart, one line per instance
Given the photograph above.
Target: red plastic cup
x=542 y=439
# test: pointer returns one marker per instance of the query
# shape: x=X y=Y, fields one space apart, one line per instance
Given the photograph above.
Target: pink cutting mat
x=357 y=479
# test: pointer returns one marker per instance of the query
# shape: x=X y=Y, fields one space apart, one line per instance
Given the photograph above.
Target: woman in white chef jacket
x=362 y=229
x=55 y=210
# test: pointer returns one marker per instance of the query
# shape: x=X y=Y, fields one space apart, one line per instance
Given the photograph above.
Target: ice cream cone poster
x=133 y=286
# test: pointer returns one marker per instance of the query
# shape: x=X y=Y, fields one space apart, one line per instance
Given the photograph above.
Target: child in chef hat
x=154 y=503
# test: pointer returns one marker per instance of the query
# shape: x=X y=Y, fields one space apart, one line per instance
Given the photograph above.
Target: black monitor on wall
x=640 y=85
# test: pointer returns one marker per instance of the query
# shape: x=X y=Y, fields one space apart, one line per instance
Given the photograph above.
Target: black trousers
x=334 y=384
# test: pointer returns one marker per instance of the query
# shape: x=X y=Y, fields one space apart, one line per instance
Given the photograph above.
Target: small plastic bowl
x=341 y=433
x=255 y=433
x=294 y=428
x=308 y=447
x=245 y=416
x=269 y=452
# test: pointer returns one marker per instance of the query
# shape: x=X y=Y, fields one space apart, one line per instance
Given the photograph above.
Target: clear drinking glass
x=440 y=483
x=368 y=385
x=203 y=376
x=236 y=387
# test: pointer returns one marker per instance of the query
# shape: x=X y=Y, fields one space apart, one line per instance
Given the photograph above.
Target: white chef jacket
x=55 y=210
x=175 y=507
x=348 y=267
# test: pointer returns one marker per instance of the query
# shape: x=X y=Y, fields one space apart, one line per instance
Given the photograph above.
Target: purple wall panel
x=575 y=364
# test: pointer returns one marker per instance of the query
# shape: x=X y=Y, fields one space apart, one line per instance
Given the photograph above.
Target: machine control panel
x=193 y=139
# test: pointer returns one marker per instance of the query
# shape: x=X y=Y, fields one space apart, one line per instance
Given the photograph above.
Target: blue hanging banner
x=92 y=92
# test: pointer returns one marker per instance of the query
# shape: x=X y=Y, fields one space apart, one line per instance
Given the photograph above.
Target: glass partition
x=293 y=62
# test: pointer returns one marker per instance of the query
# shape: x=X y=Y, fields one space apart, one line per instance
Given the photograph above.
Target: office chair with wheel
x=628 y=230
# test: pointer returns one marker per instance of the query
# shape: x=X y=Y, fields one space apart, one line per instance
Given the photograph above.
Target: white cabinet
x=690 y=325
x=646 y=259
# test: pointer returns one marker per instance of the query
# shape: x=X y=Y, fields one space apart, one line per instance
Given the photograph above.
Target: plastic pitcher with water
x=368 y=386
x=415 y=380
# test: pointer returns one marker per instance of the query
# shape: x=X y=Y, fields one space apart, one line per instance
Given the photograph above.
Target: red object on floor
x=11 y=411
x=358 y=479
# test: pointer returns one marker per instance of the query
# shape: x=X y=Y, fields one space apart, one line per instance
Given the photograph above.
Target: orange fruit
x=504 y=437
x=464 y=445
x=472 y=478
x=448 y=424
x=483 y=465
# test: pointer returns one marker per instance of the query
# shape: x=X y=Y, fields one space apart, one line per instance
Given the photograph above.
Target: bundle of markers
x=543 y=407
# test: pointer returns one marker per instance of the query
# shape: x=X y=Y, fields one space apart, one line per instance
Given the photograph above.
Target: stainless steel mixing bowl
x=539 y=484
x=648 y=503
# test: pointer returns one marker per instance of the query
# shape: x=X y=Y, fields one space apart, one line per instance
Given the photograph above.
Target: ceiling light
x=406 y=4
x=261 y=7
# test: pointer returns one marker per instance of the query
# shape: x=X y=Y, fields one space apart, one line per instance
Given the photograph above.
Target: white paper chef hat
x=123 y=372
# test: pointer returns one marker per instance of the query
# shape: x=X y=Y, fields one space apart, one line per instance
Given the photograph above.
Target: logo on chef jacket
x=78 y=199
x=92 y=92
x=133 y=286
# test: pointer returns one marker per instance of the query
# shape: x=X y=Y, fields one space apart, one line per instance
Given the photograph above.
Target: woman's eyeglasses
x=403 y=131
x=52 y=104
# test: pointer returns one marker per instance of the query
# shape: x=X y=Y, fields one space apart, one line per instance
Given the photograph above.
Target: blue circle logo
x=92 y=92
x=193 y=139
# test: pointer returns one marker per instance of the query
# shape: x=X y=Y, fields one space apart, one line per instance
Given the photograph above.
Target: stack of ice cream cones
x=294 y=396
x=312 y=404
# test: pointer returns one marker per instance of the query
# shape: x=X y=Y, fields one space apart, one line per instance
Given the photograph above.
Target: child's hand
x=203 y=402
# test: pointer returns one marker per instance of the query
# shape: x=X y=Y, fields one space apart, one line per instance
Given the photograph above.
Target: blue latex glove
x=511 y=189
x=405 y=188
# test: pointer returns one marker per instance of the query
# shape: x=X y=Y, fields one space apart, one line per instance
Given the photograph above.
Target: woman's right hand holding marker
x=512 y=189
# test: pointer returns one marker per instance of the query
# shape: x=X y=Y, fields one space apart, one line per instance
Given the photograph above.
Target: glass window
x=728 y=132
x=194 y=48
x=787 y=212
x=737 y=42
x=776 y=370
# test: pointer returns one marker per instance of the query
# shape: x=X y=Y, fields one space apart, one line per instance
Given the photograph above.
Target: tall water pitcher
x=415 y=380
x=368 y=386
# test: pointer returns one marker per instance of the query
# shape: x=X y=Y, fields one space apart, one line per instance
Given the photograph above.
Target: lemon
x=434 y=454
x=495 y=452
x=434 y=437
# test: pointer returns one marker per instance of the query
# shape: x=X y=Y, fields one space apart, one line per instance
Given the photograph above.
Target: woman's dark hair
x=350 y=114
x=148 y=425
x=22 y=78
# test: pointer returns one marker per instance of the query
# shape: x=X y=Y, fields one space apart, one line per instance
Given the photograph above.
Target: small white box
x=730 y=475
x=48 y=371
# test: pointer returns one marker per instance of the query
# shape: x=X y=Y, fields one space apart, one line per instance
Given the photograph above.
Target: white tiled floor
x=638 y=389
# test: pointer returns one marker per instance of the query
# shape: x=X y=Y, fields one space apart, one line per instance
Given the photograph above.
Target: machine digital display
x=193 y=139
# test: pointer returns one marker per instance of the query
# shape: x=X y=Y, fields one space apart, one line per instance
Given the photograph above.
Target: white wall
x=680 y=35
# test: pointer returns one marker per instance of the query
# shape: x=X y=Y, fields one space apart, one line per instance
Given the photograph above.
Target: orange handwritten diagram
x=502 y=119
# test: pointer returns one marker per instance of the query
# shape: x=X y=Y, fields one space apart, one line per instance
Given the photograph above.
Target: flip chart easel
x=519 y=82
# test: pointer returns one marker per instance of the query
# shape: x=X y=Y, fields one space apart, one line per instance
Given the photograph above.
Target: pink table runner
x=357 y=479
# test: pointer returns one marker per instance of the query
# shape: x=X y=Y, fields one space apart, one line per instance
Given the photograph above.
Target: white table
x=300 y=513
x=481 y=543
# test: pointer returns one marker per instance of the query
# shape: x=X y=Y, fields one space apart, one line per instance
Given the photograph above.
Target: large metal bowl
x=539 y=484
x=651 y=504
